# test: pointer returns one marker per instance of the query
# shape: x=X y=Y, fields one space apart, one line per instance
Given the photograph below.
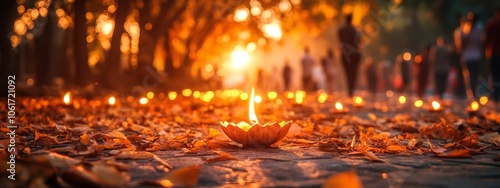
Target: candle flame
x=402 y=99
x=112 y=100
x=358 y=100
x=339 y=106
x=474 y=106
x=251 y=110
x=419 y=103
x=67 y=98
x=436 y=105
x=143 y=100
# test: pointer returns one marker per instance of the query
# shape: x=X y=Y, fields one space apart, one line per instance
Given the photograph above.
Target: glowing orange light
x=389 y=93
x=112 y=100
x=483 y=100
x=435 y=105
x=402 y=99
x=418 y=59
x=258 y=99
x=474 y=106
x=67 y=98
x=241 y=14
x=419 y=103
x=289 y=95
x=299 y=100
x=244 y=96
x=150 y=95
x=358 y=100
x=322 y=98
x=407 y=56
x=172 y=95
x=143 y=100
x=186 y=92
x=339 y=106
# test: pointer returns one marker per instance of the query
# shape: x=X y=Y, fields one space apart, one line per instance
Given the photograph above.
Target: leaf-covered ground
x=179 y=143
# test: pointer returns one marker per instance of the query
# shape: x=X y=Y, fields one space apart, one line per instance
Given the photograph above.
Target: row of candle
x=299 y=96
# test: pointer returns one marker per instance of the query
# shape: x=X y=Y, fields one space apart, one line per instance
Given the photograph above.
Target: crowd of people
x=451 y=67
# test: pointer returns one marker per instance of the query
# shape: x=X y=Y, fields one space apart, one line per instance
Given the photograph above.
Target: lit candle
x=112 y=101
x=402 y=99
x=358 y=102
x=339 y=109
x=254 y=134
x=67 y=98
x=143 y=101
x=419 y=103
x=436 y=107
x=473 y=108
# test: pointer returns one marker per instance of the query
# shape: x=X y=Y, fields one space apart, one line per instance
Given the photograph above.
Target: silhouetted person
x=470 y=44
x=287 y=74
x=440 y=60
x=351 y=54
x=307 y=71
x=492 y=30
x=328 y=65
x=371 y=75
x=403 y=72
x=423 y=67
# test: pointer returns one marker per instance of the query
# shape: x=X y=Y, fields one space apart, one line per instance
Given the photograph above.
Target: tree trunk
x=43 y=44
x=110 y=73
x=7 y=17
x=82 y=73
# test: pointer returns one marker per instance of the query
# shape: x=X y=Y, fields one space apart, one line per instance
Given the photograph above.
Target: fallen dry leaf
x=372 y=157
x=436 y=149
x=142 y=155
x=182 y=177
x=223 y=156
x=347 y=179
x=459 y=153
x=109 y=175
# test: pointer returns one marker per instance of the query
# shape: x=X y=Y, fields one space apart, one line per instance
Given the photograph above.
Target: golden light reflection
x=251 y=110
x=112 y=100
x=143 y=100
x=402 y=99
x=419 y=103
x=483 y=100
x=67 y=98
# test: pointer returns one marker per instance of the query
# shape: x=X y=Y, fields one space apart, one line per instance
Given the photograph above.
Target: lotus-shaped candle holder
x=255 y=134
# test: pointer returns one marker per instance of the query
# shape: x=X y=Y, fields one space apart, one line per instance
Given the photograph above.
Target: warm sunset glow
x=144 y=100
x=339 y=106
x=483 y=100
x=251 y=110
x=186 y=92
x=358 y=100
x=172 y=95
x=419 y=103
x=435 y=105
x=474 y=106
x=67 y=98
x=402 y=99
x=273 y=30
x=112 y=100
x=240 y=57
x=272 y=95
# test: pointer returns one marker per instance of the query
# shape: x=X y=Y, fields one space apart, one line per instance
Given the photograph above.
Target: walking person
x=470 y=46
x=492 y=31
x=287 y=74
x=423 y=66
x=328 y=64
x=351 y=53
x=307 y=71
x=440 y=63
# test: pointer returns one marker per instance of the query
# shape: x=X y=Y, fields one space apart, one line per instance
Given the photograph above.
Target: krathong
x=254 y=134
